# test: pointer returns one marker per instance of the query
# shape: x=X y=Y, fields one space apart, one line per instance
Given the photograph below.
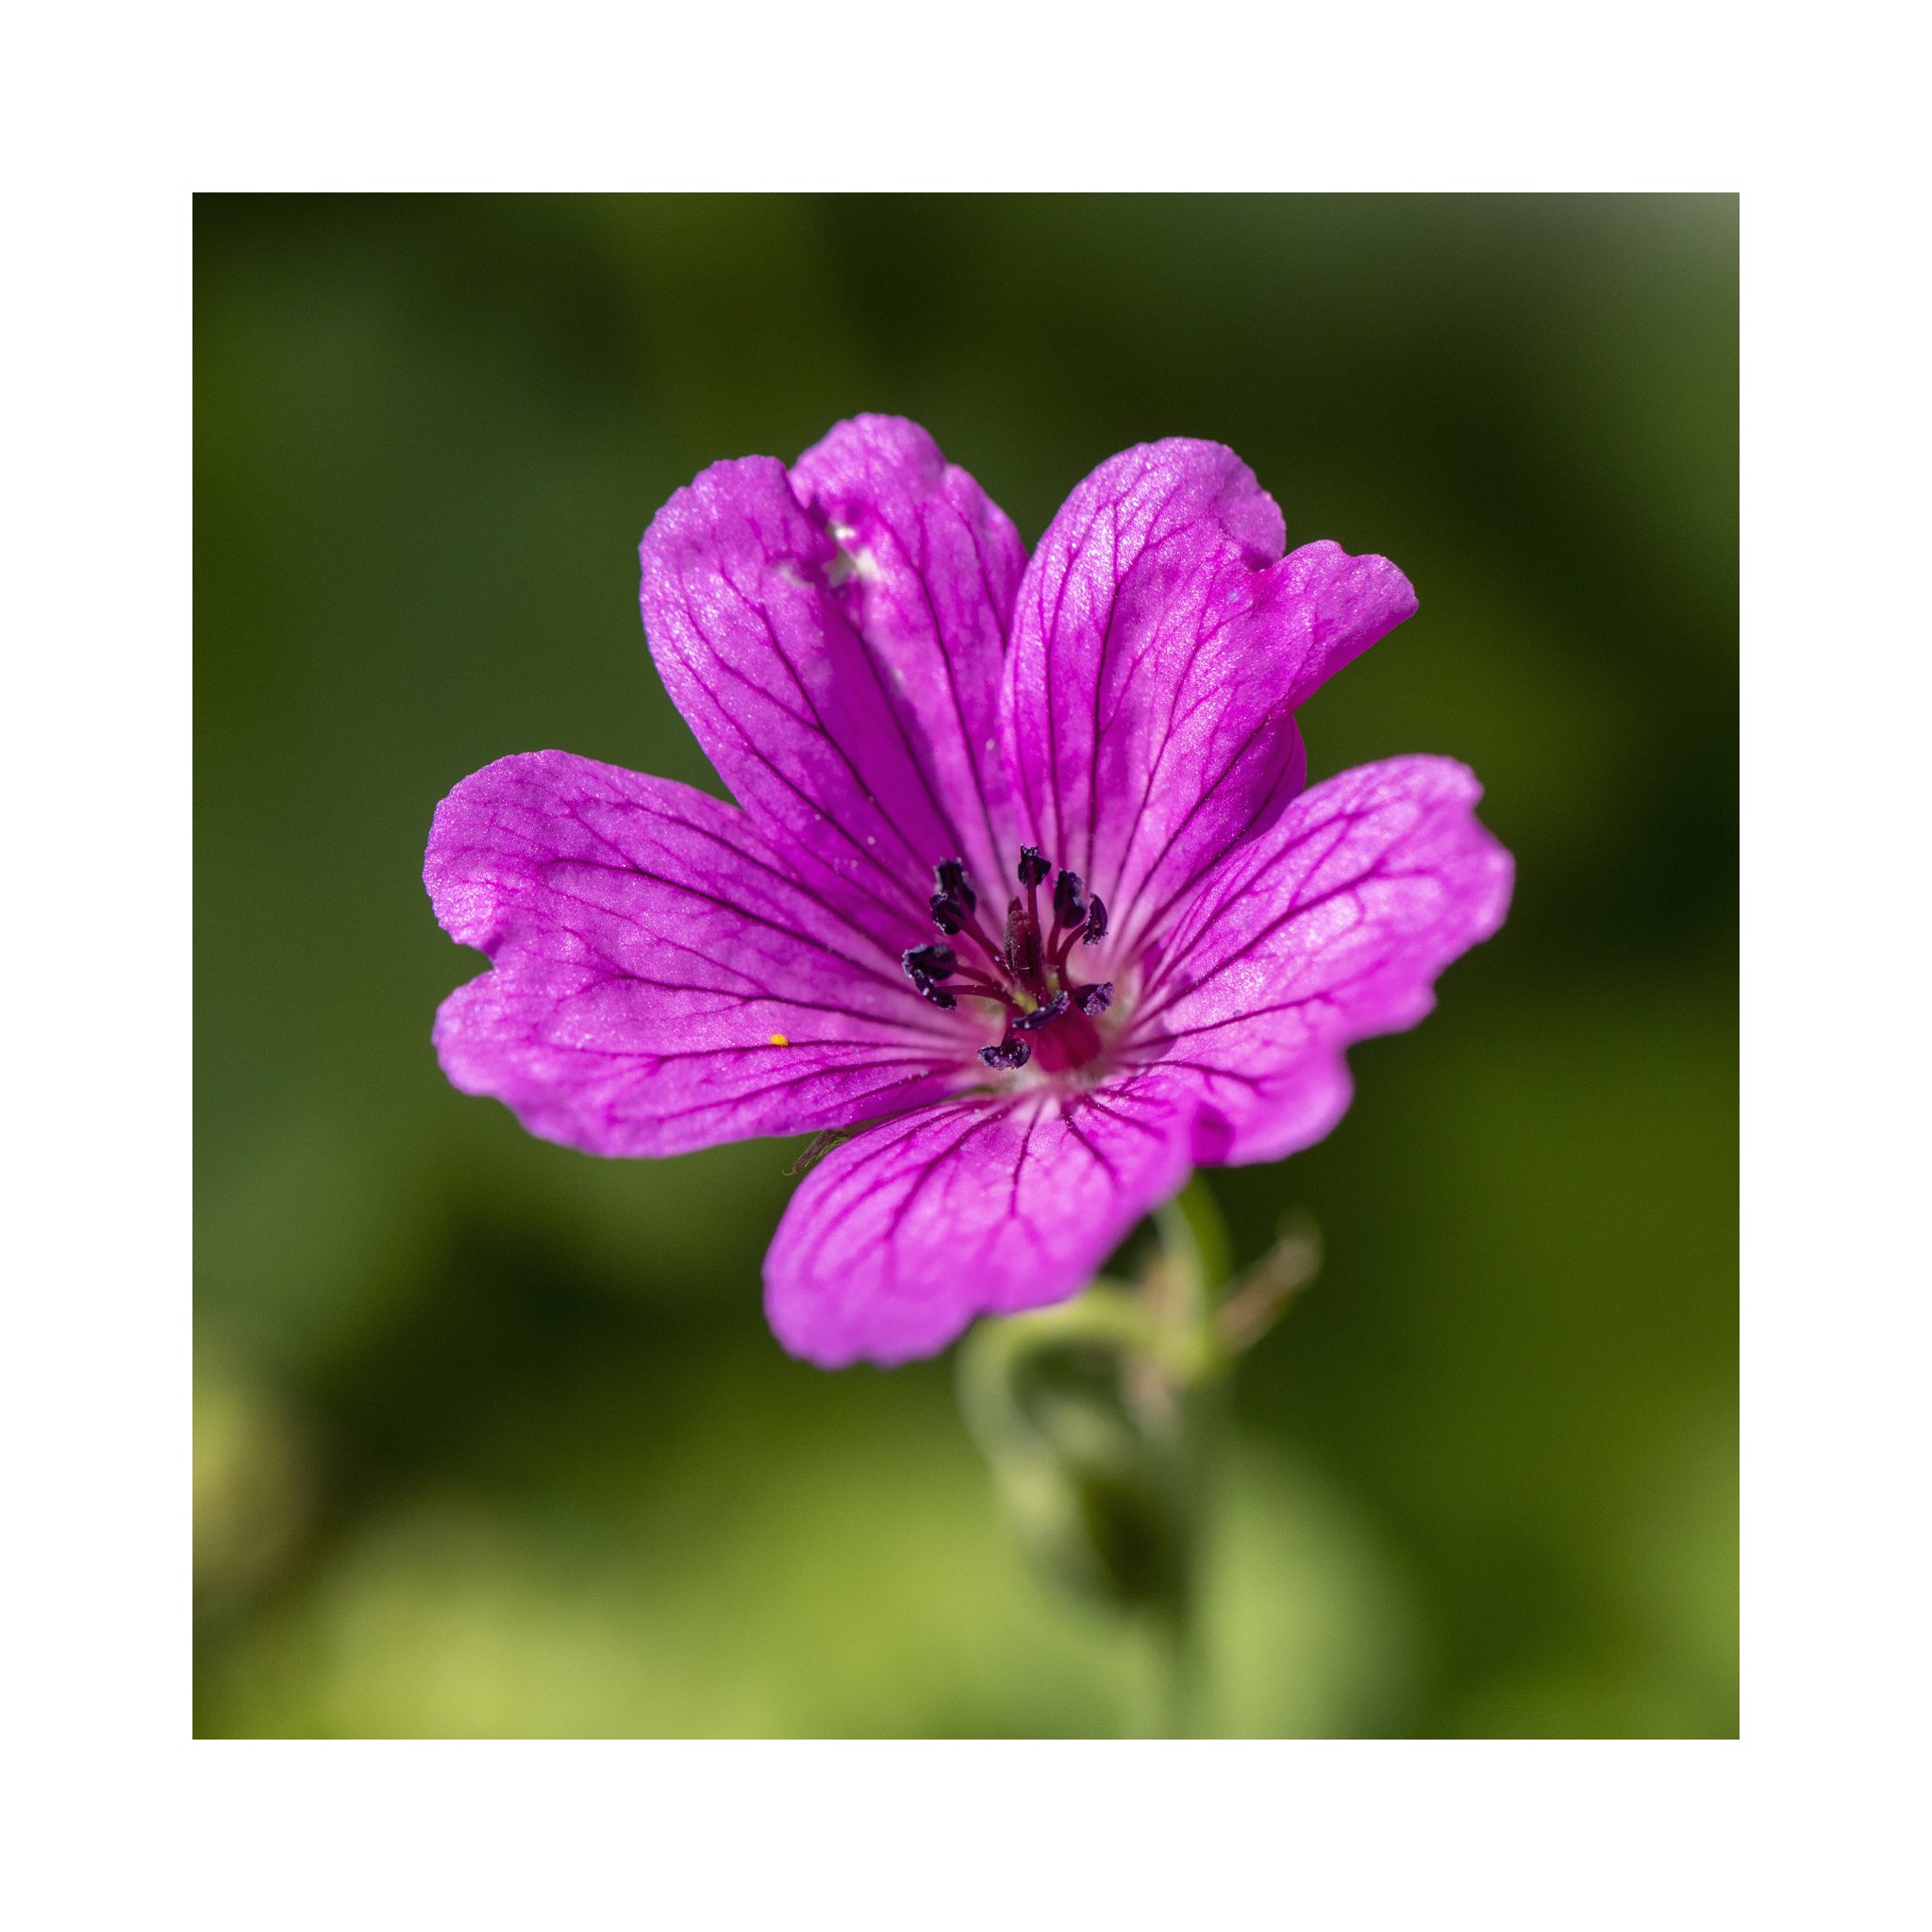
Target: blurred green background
x=490 y=1438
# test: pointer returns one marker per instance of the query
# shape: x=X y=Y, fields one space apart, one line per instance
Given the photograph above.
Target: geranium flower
x=1023 y=890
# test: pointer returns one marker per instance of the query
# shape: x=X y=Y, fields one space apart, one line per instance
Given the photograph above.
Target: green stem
x=1177 y=1633
x=1102 y=1419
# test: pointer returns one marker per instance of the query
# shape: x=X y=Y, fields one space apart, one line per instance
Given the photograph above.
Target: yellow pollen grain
x=779 y=1039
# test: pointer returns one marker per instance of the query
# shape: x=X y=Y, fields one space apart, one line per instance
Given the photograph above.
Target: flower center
x=1048 y=1007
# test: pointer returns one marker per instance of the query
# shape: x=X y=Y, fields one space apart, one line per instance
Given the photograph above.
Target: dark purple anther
x=1069 y=899
x=947 y=913
x=929 y=962
x=1096 y=920
x=1095 y=1000
x=1032 y=869
x=925 y=966
x=949 y=875
x=1042 y=1016
x=1008 y=1053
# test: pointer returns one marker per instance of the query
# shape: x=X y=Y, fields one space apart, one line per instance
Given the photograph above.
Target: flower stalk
x=1101 y=1419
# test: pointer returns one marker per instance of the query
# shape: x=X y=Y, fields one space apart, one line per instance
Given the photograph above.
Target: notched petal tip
x=855 y=452
x=659 y=980
x=468 y=879
x=1337 y=605
x=1332 y=929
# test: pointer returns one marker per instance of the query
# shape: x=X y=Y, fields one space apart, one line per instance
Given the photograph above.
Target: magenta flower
x=1023 y=890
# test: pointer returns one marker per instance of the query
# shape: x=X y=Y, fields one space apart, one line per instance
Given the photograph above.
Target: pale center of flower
x=1028 y=971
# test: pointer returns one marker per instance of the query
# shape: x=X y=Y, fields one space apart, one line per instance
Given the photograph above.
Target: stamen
x=1029 y=972
x=976 y=985
x=925 y=966
x=949 y=877
x=1008 y=1053
x=953 y=906
x=933 y=962
x=947 y=913
x=1042 y=1016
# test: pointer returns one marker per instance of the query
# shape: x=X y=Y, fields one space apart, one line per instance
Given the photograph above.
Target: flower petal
x=1160 y=644
x=663 y=980
x=1330 y=927
x=934 y=564
x=900 y=1238
x=1328 y=607
x=748 y=602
